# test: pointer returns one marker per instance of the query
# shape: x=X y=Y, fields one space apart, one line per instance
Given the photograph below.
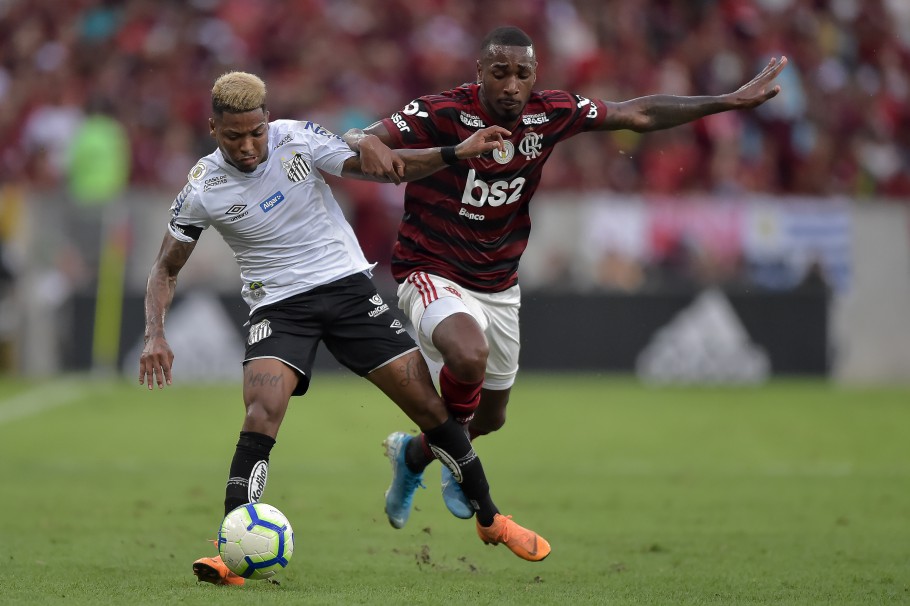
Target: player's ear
x=212 y=126
x=479 y=71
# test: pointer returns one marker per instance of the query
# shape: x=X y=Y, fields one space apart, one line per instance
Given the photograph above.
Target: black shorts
x=361 y=330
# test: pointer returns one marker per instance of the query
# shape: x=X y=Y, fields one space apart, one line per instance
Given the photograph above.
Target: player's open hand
x=155 y=363
x=761 y=87
x=378 y=161
x=481 y=142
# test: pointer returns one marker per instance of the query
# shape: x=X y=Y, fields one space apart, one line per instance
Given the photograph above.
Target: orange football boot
x=214 y=570
x=526 y=544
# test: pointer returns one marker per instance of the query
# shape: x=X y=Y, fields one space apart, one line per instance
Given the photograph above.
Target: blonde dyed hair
x=238 y=92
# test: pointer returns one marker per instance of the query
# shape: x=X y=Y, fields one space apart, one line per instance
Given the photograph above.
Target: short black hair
x=507 y=35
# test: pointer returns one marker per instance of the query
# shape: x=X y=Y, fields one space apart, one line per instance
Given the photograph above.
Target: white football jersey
x=284 y=225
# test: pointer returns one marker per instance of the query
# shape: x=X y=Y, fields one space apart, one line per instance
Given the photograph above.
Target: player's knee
x=263 y=418
x=483 y=424
x=469 y=364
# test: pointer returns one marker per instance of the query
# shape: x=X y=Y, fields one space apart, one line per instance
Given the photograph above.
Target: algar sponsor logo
x=271 y=202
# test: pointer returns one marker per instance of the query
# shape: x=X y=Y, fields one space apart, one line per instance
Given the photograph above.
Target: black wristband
x=448 y=154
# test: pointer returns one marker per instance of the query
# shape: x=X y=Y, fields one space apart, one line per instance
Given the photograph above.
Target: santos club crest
x=296 y=168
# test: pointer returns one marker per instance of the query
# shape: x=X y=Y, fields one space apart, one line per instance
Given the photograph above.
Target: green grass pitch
x=797 y=493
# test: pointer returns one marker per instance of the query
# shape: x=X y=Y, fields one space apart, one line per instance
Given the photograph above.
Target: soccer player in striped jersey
x=305 y=280
x=465 y=227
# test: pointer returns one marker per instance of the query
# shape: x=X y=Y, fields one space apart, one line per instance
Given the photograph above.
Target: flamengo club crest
x=296 y=168
x=531 y=145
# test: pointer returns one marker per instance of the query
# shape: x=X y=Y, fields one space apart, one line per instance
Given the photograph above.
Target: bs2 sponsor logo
x=480 y=193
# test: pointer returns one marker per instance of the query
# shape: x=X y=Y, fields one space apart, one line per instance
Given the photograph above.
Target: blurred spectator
x=98 y=158
x=841 y=127
x=350 y=61
x=11 y=199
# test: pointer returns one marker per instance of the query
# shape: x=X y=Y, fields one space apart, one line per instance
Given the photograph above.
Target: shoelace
x=506 y=526
x=414 y=481
x=411 y=481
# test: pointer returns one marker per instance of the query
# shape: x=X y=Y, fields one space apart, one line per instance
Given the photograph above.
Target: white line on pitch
x=39 y=399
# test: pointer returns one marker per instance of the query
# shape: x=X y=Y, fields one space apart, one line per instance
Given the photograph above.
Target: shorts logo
x=376 y=300
x=258 y=332
x=296 y=168
x=397 y=326
x=504 y=157
x=378 y=311
x=452 y=290
x=257 y=481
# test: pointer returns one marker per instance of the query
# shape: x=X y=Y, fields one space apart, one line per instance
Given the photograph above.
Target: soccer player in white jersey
x=306 y=280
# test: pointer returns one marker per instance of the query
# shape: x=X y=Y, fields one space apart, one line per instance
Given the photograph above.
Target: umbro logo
x=395 y=324
x=238 y=211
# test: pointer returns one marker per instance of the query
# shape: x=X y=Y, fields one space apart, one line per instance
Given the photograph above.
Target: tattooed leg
x=267 y=387
x=407 y=382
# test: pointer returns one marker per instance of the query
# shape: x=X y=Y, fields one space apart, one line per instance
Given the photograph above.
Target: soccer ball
x=256 y=541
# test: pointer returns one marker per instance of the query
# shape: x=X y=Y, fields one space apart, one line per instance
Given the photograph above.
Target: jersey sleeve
x=414 y=126
x=328 y=151
x=188 y=217
x=579 y=113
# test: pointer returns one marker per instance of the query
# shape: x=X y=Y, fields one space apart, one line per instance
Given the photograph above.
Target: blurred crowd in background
x=103 y=95
x=842 y=126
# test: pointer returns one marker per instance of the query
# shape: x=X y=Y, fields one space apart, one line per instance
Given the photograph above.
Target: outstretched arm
x=417 y=163
x=656 y=112
x=157 y=357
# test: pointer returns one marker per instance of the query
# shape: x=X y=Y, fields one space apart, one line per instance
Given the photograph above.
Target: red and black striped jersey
x=470 y=222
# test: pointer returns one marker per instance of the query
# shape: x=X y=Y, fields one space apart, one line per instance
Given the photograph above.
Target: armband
x=448 y=154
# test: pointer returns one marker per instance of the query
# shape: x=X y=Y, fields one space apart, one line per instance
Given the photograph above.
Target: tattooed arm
x=157 y=357
x=656 y=112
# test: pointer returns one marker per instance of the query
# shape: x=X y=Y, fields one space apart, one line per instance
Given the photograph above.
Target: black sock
x=417 y=455
x=249 y=470
x=453 y=449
